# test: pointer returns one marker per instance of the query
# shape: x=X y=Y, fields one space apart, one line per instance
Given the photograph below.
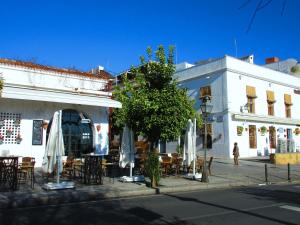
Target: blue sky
x=114 y=34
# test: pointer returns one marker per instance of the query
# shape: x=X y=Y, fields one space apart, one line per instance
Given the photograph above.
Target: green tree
x=1 y=85
x=152 y=103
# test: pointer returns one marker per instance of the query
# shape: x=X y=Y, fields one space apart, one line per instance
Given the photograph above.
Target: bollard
x=289 y=172
x=266 y=173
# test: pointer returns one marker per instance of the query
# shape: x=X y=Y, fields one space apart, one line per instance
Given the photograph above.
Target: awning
x=50 y=95
x=265 y=119
x=287 y=99
x=251 y=92
x=271 y=96
x=205 y=91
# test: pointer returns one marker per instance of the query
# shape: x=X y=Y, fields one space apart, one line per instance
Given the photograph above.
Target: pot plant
x=1 y=139
x=18 y=139
x=239 y=130
x=263 y=130
x=297 y=131
x=8 y=132
x=45 y=124
x=17 y=122
x=153 y=168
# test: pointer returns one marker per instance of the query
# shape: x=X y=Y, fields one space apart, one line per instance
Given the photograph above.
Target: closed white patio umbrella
x=54 y=152
x=189 y=148
x=127 y=155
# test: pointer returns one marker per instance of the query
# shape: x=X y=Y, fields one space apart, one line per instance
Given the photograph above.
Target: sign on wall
x=37 y=132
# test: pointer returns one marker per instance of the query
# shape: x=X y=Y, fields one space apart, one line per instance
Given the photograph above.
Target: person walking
x=236 y=154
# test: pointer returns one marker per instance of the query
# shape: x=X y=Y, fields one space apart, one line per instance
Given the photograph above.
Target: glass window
x=270 y=108
x=288 y=111
x=251 y=105
x=78 y=136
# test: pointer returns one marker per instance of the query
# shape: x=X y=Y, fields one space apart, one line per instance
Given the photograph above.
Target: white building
x=262 y=103
x=32 y=93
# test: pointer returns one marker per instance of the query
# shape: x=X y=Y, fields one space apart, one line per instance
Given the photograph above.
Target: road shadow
x=195 y=200
x=94 y=212
x=278 y=196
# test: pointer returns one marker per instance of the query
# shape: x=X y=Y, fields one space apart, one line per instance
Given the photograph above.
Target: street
x=251 y=205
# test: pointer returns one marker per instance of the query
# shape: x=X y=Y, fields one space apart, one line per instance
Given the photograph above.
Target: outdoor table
x=9 y=172
x=92 y=169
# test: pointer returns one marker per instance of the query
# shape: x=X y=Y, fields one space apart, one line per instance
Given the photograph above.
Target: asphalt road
x=256 y=205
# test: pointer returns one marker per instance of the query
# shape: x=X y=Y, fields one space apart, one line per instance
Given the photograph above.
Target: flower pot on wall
x=45 y=124
x=8 y=133
x=239 y=130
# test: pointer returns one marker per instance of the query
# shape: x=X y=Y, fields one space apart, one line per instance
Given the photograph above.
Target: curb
x=21 y=200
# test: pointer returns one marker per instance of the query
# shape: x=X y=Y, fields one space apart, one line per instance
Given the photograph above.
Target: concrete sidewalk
x=224 y=175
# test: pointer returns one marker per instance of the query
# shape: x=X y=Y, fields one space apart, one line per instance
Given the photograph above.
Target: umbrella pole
x=194 y=147
x=58 y=144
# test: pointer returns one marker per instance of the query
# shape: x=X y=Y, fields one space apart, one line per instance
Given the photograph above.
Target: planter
x=239 y=130
x=1 y=141
x=8 y=133
x=45 y=125
x=18 y=141
x=2 y=122
x=17 y=122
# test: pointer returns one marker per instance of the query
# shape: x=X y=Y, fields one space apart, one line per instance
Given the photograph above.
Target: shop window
x=272 y=137
x=252 y=136
x=205 y=91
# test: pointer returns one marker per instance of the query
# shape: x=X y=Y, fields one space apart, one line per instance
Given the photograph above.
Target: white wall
x=228 y=78
x=217 y=81
x=33 y=110
x=50 y=80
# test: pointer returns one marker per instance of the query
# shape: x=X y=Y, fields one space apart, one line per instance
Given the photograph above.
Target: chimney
x=272 y=60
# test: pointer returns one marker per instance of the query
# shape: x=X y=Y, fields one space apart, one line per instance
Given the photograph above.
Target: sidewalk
x=224 y=175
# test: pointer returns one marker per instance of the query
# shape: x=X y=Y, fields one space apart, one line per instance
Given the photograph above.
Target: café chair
x=26 y=169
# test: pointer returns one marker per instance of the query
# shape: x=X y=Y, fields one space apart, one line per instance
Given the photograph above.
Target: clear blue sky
x=114 y=33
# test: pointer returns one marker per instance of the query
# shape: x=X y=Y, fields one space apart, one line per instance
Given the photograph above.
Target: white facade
x=228 y=78
x=31 y=94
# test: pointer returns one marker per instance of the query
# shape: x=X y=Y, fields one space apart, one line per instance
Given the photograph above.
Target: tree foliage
x=1 y=85
x=152 y=103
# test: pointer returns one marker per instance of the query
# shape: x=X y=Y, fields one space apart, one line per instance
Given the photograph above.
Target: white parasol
x=54 y=152
x=54 y=147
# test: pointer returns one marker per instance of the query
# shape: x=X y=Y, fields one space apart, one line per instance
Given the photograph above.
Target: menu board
x=37 y=132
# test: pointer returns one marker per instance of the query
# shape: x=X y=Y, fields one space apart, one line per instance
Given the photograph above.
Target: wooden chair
x=26 y=170
x=166 y=164
x=104 y=167
x=78 y=168
x=68 y=167
x=177 y=164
